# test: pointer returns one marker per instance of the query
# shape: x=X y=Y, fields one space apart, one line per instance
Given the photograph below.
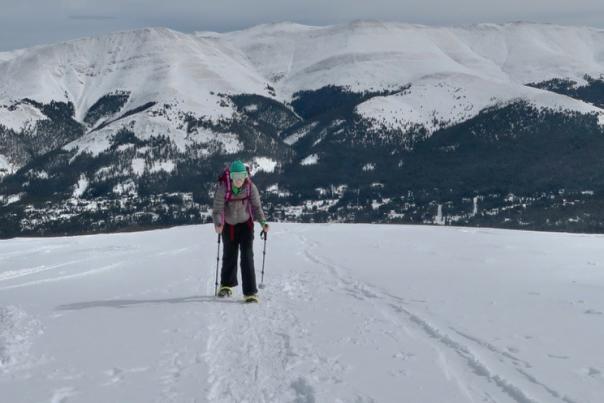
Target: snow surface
x=13 y=198
x=166 y=166
x=38 y=174
x=148 y=125
x=263 y=164
x=370 y=166
x=80 y=187
x=138 y=166
x=312 y=159
x=22 y=116
x=300 y=133
x=127 y=187
x=5 y=166
x=276 y=190
x=361 y=313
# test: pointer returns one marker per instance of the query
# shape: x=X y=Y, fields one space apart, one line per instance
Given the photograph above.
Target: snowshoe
x=225 y=292
x=250 y=298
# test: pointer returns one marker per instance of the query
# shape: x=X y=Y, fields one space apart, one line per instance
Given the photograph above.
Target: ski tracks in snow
x=308 y=340
x=254 y=359
x=17 y=333
x=183 y=363
x=260 y=352
x=495 y=374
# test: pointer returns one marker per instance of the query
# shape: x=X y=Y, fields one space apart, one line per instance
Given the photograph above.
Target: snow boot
x=250 y=298
x=225 y=291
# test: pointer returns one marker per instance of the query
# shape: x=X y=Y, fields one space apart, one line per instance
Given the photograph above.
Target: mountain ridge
x=130 y=119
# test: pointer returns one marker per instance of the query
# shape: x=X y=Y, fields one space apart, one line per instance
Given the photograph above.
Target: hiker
x=236 y=205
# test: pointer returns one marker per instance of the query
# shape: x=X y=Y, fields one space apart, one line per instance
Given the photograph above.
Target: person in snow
x=236 y=205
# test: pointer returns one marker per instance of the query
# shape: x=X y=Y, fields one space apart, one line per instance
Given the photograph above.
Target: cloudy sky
x=26 y=23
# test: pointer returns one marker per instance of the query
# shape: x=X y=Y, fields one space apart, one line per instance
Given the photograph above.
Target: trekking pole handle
x=263 y=235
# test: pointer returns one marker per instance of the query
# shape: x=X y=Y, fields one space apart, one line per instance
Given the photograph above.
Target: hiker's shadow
x=126 y=303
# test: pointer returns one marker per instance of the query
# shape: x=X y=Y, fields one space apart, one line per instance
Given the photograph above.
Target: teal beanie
x=237 y=166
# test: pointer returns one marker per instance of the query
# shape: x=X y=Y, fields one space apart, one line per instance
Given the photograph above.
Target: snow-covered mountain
x=466 y=69
x=117 y=110
x=454 y=73
x=349 y=313
x=168 y=72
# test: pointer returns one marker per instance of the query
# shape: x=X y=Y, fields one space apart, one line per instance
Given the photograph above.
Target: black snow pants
x=239 y=237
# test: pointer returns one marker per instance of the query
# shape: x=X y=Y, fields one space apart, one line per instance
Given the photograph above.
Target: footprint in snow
x=593 y=312
x=592 y=372
x=115 y=374
x=558 y=357
x=403 y=356
x=62 y=395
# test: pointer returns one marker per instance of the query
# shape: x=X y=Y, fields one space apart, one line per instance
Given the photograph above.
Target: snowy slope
x=437 y=102
x=181 y=74
x=349 y=313
x=488 y=63
x=155 y=64
x=373 y=54
x=361 y=55
x=21 y=116
x=453 y=72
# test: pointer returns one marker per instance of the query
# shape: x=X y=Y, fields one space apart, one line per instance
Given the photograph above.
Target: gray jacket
x=236 y=211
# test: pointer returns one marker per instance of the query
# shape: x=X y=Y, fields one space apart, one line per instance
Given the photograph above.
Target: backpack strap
x=225 y=178
x=250 y=221
x=228 y=195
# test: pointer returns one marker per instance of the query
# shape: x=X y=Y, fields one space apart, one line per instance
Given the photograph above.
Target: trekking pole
x=263 y=235
x=217 y=261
